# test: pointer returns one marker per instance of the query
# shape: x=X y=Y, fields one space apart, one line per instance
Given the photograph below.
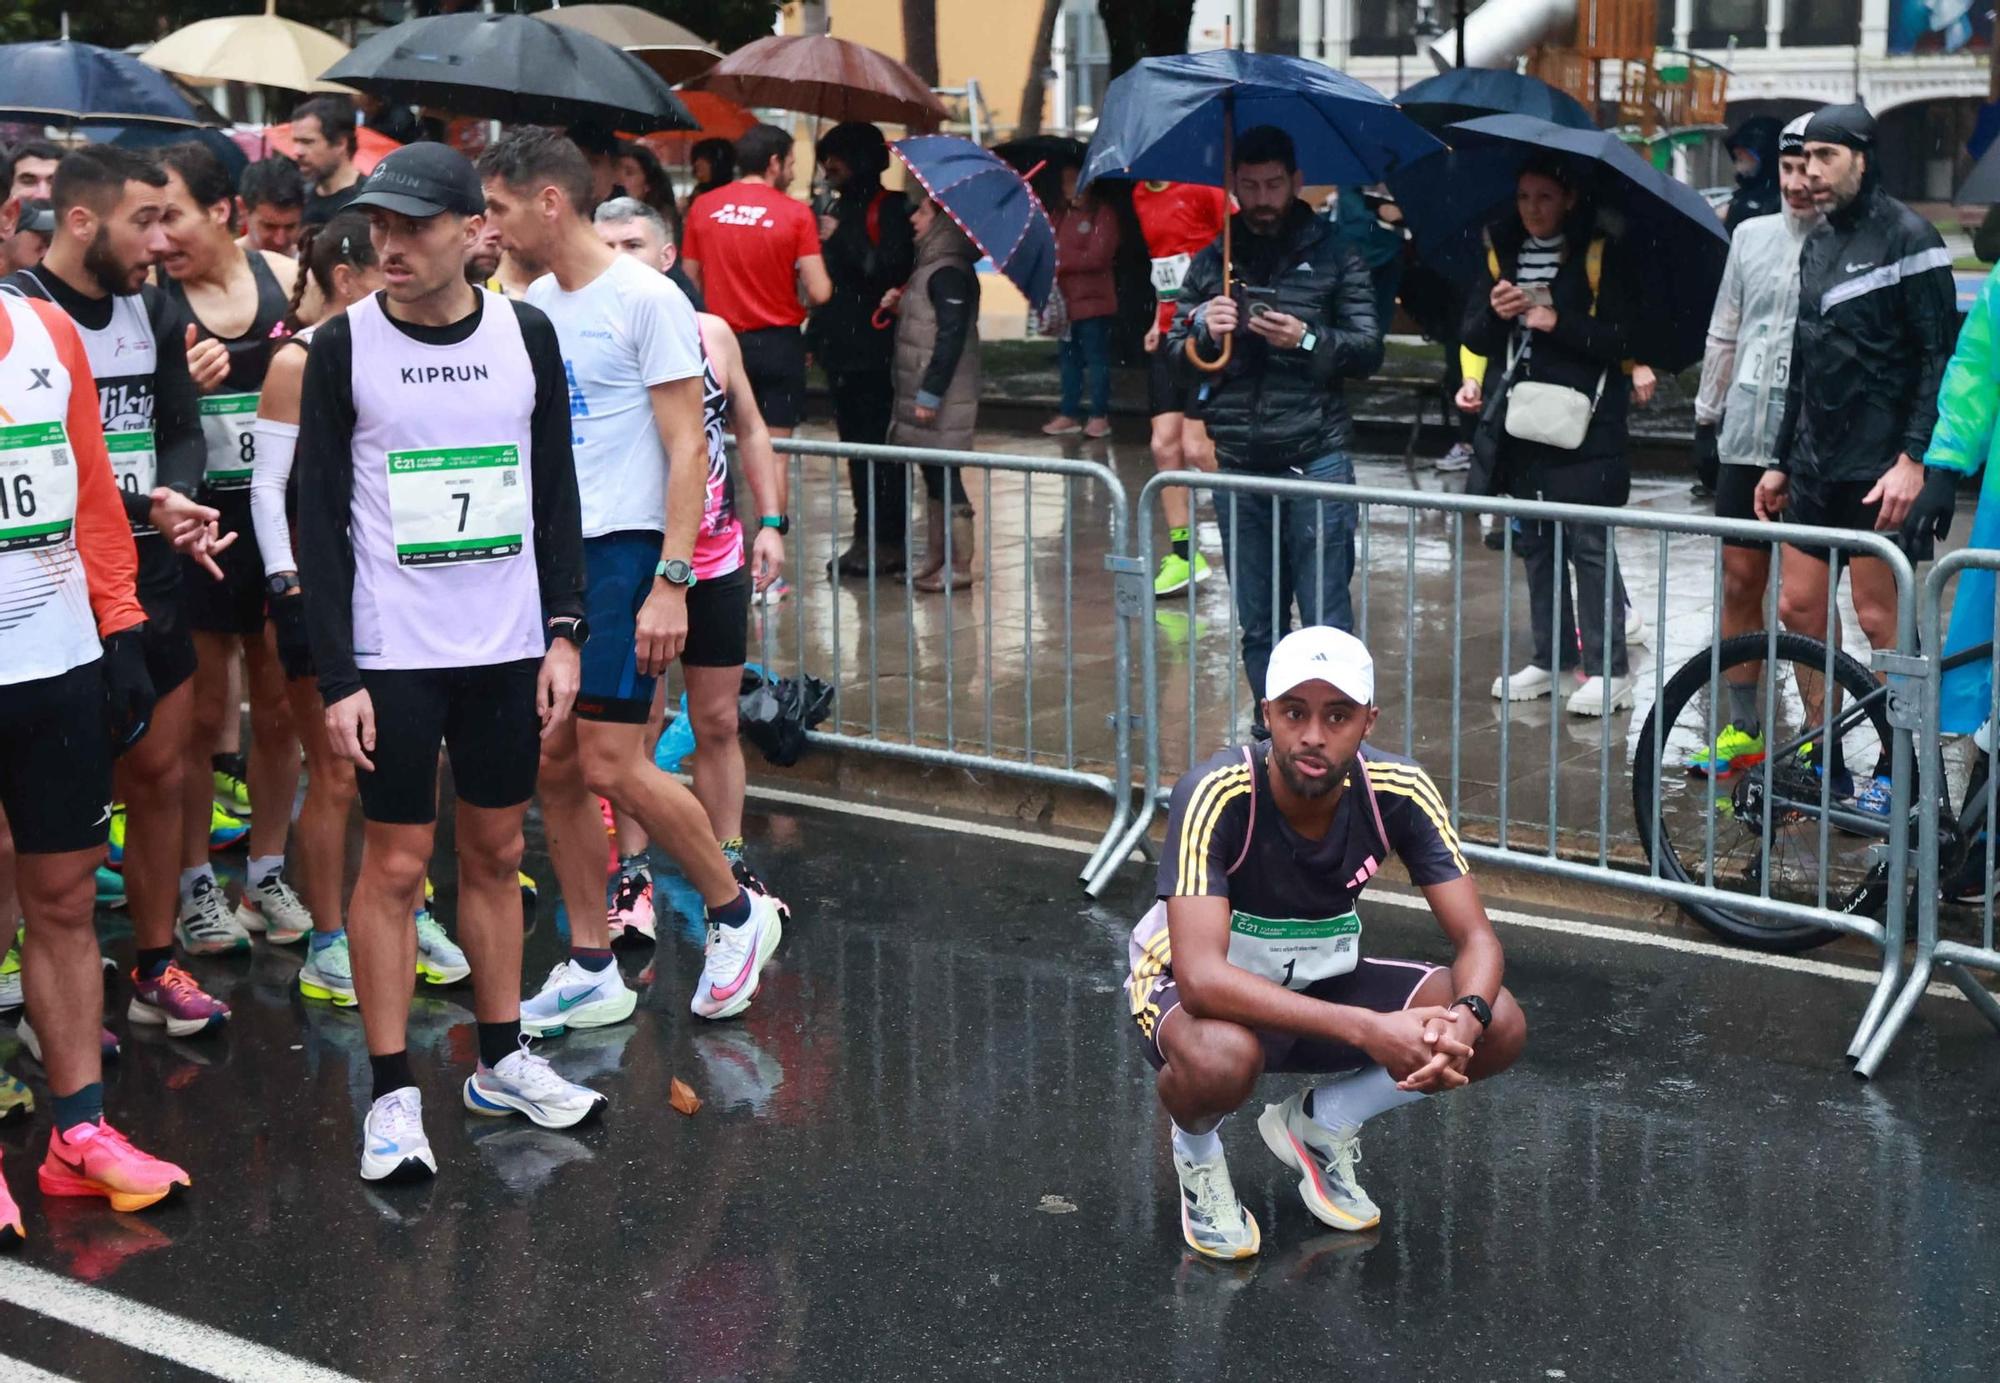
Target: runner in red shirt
x=1179 y=220
x=750 y=247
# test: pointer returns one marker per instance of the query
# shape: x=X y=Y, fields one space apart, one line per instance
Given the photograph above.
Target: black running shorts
x=1166 y=391
x=1383 y=986
x=235 y=604
x=1735 y=491
x=484 y=716
x=718 y=622
x=774 y=361
x=55 y=762
x=169 y=643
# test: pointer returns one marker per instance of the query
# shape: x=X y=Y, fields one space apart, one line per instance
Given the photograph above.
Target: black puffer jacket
x=1586 y=346
x=870 y=251
x=1878 y=313
x=1270 y=409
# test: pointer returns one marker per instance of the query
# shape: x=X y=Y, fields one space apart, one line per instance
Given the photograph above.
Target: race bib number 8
x=37 y=486
x=228 y=427
x=457 y=504
x=1169 y=272
x=1294 y=951
x=132 y=460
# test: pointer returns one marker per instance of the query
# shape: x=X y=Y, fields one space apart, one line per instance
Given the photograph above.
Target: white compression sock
x=1345 y=1105
x=263 y=867
x=1198 y=1147
x=188 y=877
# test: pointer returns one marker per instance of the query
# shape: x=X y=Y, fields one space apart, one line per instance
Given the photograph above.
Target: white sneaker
x=575 y=997
x=1459 y=458
x=275 y=910
x=439 y=959
x=393 y=1145
x=1325 y=1163
x=736 y=956
x=524 y=1083
x=207 y=927
x=1531 y=683
x=1638 y=633
x=328 y=974
x=1600 y=696
x=1213 y=1221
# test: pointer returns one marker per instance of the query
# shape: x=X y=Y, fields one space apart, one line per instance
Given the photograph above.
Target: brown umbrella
x=824 y=76
x=675 y=53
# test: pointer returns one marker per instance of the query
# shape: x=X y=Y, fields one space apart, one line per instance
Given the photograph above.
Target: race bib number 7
x=37 y=486
x=457 y=504
x=228 y=428
x=1295 y=951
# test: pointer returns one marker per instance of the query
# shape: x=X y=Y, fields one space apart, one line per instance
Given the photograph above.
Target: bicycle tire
x=1745 y=928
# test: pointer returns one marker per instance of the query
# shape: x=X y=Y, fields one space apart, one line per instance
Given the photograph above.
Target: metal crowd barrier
x=1436 y=535
x=1943 y=781
x=914 y=675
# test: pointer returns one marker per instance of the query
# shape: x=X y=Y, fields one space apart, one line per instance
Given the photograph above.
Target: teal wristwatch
x=781 y=522
x=675 y=572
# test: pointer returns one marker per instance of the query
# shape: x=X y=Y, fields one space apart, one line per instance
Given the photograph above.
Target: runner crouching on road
x=1253 y=960
x=634 y=361
x=440 y=547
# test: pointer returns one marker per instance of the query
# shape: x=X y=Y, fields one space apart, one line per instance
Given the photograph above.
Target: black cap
x=1850 y=124
x=37 y=215
x=424 y=180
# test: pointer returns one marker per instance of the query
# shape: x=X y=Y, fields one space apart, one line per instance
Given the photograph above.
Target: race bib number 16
x=37 y=486
x=457 y=504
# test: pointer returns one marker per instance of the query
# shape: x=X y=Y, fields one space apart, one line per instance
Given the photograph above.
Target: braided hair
x=341 y=239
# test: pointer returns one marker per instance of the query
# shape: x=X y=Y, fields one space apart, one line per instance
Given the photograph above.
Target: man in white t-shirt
x=632 y=353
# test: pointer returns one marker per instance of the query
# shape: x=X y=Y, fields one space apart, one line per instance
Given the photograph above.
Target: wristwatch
x=1308 y=341
x=675 y=571
x=282 y=584
x=781 y=522
x=1479 y=1009
x=570 y=627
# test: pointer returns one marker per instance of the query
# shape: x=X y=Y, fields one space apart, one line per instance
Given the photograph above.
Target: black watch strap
x=1478 y=1007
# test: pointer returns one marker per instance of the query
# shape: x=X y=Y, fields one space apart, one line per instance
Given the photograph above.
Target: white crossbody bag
x=1554 y=415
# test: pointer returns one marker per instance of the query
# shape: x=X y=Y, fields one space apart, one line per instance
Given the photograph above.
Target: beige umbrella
x=671 y=51
x=262 y=49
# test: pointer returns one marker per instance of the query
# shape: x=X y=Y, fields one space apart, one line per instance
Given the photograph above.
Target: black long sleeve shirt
x=325 y=472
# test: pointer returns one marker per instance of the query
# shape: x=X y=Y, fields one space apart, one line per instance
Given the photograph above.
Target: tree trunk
x=1144 y=28
x=1034 y=92
x=920 y=48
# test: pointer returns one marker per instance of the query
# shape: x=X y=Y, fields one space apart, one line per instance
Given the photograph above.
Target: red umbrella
x=824 y=76
x=720 y=117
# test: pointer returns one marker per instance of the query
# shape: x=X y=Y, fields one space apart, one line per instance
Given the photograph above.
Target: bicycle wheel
x=1711 y=829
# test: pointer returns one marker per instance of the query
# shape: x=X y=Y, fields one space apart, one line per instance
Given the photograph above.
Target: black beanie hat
x=1850 y=124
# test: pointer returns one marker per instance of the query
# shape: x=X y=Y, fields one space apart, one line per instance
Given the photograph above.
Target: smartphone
x=1539 y=294
x=1257 y=301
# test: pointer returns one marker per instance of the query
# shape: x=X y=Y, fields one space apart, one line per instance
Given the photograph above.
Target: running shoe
x=13 y=1233
x=574 y=997
x=439 y=960
x=1325 y=1164
x=207 y=927
x=174 y=1001
x=1872 y=796
x=1459 y=458
x=772 y=594
x=747 y=880
x=110 y=888
x=107 y=1041
x=328 y=974
x=1732 y=752
x=96 y=1160
x=1213 y=1221
x=393 y=1145
x=1808 y=758
x=232 y=794
x=224 y=830
x=631 y=912
x=734 y=959
x=15 y=1097
x=530 y=893
x=274 y=909
x=1177 y=573
x=524 y=1083
x=114 y=857
x=11 y=995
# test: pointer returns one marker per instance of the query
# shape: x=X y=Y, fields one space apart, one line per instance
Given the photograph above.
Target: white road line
x=150 y=1331
x=21 y=1371
x=1593 y=931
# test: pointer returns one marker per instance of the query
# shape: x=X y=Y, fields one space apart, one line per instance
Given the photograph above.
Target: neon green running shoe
x=10 y=972
x=1177 y=574
x=110 y=888
x=15 y=1098
x=225 y=830
x=1732 y=752
x=232 y=794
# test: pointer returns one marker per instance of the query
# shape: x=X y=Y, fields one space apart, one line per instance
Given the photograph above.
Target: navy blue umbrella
x=61 y=82
x=1171 y=119
x=227 y=150
x=1662 y=225
x=991 y=203
x=1466 y=93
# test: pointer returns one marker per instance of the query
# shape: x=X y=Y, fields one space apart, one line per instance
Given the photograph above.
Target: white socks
x=1342 y=1106
x=189 y=876
x=262 y=867
x=1198 y=1147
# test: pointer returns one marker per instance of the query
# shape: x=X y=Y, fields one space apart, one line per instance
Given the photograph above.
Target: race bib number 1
x=37 y=486
x=1295 y=951
x=132 y=460
x=457 y=504
x=228 y=423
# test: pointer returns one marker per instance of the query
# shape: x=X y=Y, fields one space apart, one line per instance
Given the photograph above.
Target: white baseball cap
x=1321 y=653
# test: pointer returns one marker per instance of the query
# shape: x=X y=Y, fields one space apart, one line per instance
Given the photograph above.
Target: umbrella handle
x=1221 y=362
x=882 y=319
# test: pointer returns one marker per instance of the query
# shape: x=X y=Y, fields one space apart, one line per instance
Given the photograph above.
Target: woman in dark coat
x=1549 y=252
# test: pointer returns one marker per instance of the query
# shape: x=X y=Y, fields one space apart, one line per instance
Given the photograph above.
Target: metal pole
x=1459 y=15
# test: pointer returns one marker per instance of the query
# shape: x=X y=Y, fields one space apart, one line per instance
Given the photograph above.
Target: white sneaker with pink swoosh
x=735 y=958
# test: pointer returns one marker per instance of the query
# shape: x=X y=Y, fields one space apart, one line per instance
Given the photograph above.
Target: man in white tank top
x=440 y=552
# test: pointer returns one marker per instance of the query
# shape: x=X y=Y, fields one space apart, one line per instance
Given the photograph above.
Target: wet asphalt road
x=932 y=1151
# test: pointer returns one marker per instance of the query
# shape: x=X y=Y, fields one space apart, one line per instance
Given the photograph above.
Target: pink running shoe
x=631 y=910
x=95 y=1160
x=12 y=1235
x=175 y=1001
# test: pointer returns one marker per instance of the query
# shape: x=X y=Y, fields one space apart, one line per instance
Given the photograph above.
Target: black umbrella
x=61 y=82
x=1040 y=159
x=1466 y=93
x=1664 y=227
x=515 y=68
x=1982 y=184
